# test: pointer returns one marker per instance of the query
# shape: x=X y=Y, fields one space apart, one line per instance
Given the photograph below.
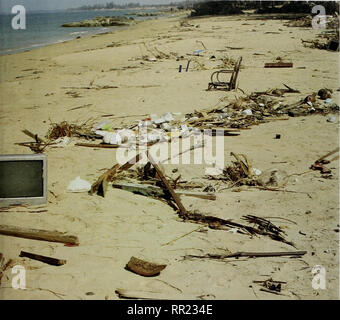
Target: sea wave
x=78 y=32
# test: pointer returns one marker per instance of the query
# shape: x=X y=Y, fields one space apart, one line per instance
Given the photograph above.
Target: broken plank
x=197 y=194
x=150 y=295
x=100 y=185
x=32 y=135
x=35 y=234
x=38 y=257
x=109 y=173
x=279 y=65
x=96 y=145
x=167 y=185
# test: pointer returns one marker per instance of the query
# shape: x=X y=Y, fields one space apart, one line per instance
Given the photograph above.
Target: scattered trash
x=62 y=142
x=247 y=112
x=79 y=185
x=197 y=52
x=144 y=268
x=270 y=285
x=319 y=164
x=277 y=136
x=331 y=119
x=257 y=171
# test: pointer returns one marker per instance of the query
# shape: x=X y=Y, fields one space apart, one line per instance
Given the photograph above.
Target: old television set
x=23 y=179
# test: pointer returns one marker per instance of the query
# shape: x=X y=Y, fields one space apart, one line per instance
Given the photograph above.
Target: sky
x=32 y=5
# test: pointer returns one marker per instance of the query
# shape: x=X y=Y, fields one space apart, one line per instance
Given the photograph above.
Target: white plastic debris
x=167 y=117
x=257 y=171
x=247 y=112
x=233 y=230
x=331 y=119
x=185 y=131
x=79 y=185
x=261 y=104
x=310 y=103
x=112 y=138
x=119 y=137
x=62 y=142
x=100 y=125
x=222 y=116
x=328 y=100
x=165 y=126
x=144 y=123
x=159 y=120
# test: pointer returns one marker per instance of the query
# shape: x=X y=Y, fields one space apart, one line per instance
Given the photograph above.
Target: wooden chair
x=216 y=83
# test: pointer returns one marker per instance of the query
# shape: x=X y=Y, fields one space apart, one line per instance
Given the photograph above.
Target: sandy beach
x=47 y=85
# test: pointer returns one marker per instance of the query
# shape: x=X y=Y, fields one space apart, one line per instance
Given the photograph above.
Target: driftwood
x=279 y=65
x=48 y=260
x=94 y=88
x=100 y=186
x=218 y=223
x=35 y=234
x=144 y=268
x=327 y=155
x=96 y=145
x=176 y=198
x=149 y=295
x=250 y=255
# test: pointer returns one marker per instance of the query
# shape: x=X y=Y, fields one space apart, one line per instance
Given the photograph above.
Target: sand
x=121 y=225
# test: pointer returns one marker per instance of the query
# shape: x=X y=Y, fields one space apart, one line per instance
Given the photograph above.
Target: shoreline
x=90 y=32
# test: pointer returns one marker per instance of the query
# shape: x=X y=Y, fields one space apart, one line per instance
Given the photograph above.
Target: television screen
x=20 y=179
x=23 y=179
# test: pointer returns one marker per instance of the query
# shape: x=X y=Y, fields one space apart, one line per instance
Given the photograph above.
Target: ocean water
x=43 y=28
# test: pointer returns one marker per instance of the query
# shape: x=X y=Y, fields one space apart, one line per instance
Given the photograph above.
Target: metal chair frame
x=231 y=85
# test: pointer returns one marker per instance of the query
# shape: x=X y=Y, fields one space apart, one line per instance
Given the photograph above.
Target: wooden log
x=279 y=65
x=252 y=255
x=168 y=186
x=35 y=234
x=38 y=257
x=150 y=295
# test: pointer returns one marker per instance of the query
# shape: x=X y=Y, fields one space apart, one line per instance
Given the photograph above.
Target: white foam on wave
x=78 y=32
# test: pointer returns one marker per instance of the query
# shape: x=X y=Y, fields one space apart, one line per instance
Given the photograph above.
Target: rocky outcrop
x=101 y=22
